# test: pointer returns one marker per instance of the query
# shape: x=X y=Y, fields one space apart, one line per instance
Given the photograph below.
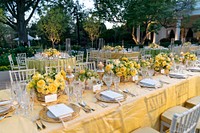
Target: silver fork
x=84 y=104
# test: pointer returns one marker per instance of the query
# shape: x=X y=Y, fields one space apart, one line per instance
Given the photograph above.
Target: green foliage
x=92 y=27
x=53 y=24
x=4 y=52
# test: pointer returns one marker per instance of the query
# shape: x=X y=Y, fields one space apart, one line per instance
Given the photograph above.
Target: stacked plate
x=194 y=69
x=151 y=83
x=5 y=107
x=54 y=113
x=178 y=75
x=111 y=96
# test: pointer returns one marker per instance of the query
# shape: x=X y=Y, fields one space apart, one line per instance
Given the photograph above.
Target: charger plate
x=107 y=100
x=47 y=116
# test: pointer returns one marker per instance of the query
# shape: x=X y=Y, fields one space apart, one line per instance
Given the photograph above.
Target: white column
x=138 y=34
x=154 y=37
x=178 y=30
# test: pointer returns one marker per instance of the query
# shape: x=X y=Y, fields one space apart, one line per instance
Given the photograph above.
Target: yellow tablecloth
x=135 y=112
x=114 y=55
x=40 y=64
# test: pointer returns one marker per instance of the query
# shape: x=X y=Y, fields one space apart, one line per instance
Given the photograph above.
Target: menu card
x=60 y=110
x=112 y=95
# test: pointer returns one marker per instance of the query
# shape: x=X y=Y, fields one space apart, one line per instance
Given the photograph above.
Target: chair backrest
x=21 y=75
x=49 y=69
x=186 y=122
x=21 y=55
x=88 y=65
x=79 y=58
x=11 y=61
x=87 y=55
x=21 y=61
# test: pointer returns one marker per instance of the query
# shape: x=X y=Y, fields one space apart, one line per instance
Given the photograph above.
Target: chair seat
x=168 y=114
x=145 y=130
x=192 y=102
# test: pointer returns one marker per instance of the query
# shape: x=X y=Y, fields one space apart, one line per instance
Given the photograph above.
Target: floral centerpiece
x=187 y=44
x=154 y=45
x=189 y=58
x=123 y=68
x=110 y=48
x=162 y=61
x=52 y=83
x=86 y=74
x=146 y=63
x=51 y=52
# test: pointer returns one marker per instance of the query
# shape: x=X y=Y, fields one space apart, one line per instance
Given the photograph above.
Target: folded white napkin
x=109 y=94
x=149 y=82
x=178 y=75
x=194 y=69
x=60 y=110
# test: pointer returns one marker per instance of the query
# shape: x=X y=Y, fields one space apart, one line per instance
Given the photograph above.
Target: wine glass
x=116 y=81
x=144 y=72
x=108 y=80
x=150 y=72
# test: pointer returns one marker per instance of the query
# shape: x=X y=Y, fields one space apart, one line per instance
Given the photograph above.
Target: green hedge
x=4 y=52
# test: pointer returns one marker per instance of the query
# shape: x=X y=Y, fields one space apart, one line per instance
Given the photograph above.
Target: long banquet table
x=143 y=110
x=113 y=54
x=40 y=64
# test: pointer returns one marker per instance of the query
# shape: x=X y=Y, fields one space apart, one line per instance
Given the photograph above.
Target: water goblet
x=116 y=81
x=108 y=80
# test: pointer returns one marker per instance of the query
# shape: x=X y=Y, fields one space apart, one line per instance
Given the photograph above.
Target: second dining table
x=40 y=64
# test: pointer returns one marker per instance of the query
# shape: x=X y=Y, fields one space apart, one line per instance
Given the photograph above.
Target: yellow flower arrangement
x=48 y=83
x=162 y=61
x=123 y=67
x=86 y=74
x=153 y=45
x=51 y=52
x=189 y=56
x=110 y=48
x=187 y=44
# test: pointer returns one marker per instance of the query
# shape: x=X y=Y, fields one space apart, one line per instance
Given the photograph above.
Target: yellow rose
x=63 y=73
x=41 y=83
x=123 y=69
x=89 y=74
x=30 y=86
x=168 y=67
x=49 y=80
x=124 y=59
x=39 y=89
x=45 y=91
x=164 y=63
x=119 y=74
x=35 y=77
x=133 y=72
x=108 y=67
x=53 y=88
x=82 y=71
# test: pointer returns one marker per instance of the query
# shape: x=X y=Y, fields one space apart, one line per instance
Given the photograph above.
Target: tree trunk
x=92 y=43
x=21 y=24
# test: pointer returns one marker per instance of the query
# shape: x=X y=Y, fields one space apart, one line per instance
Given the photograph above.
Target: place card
x=96 y=87
x=162 y=71
x=135 y=78
x=50 y=98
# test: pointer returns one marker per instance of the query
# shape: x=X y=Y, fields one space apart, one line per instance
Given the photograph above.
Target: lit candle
x=69 y=70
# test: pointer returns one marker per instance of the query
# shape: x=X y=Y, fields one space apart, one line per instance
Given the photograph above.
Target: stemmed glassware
x=116 y=81
x=150 y=72
x=107 y=78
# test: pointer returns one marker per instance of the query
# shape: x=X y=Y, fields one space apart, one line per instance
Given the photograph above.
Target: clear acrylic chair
x=87 y=65
x=21 y=75
x=12 y=65
x=184 y=122
x=79 y=58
